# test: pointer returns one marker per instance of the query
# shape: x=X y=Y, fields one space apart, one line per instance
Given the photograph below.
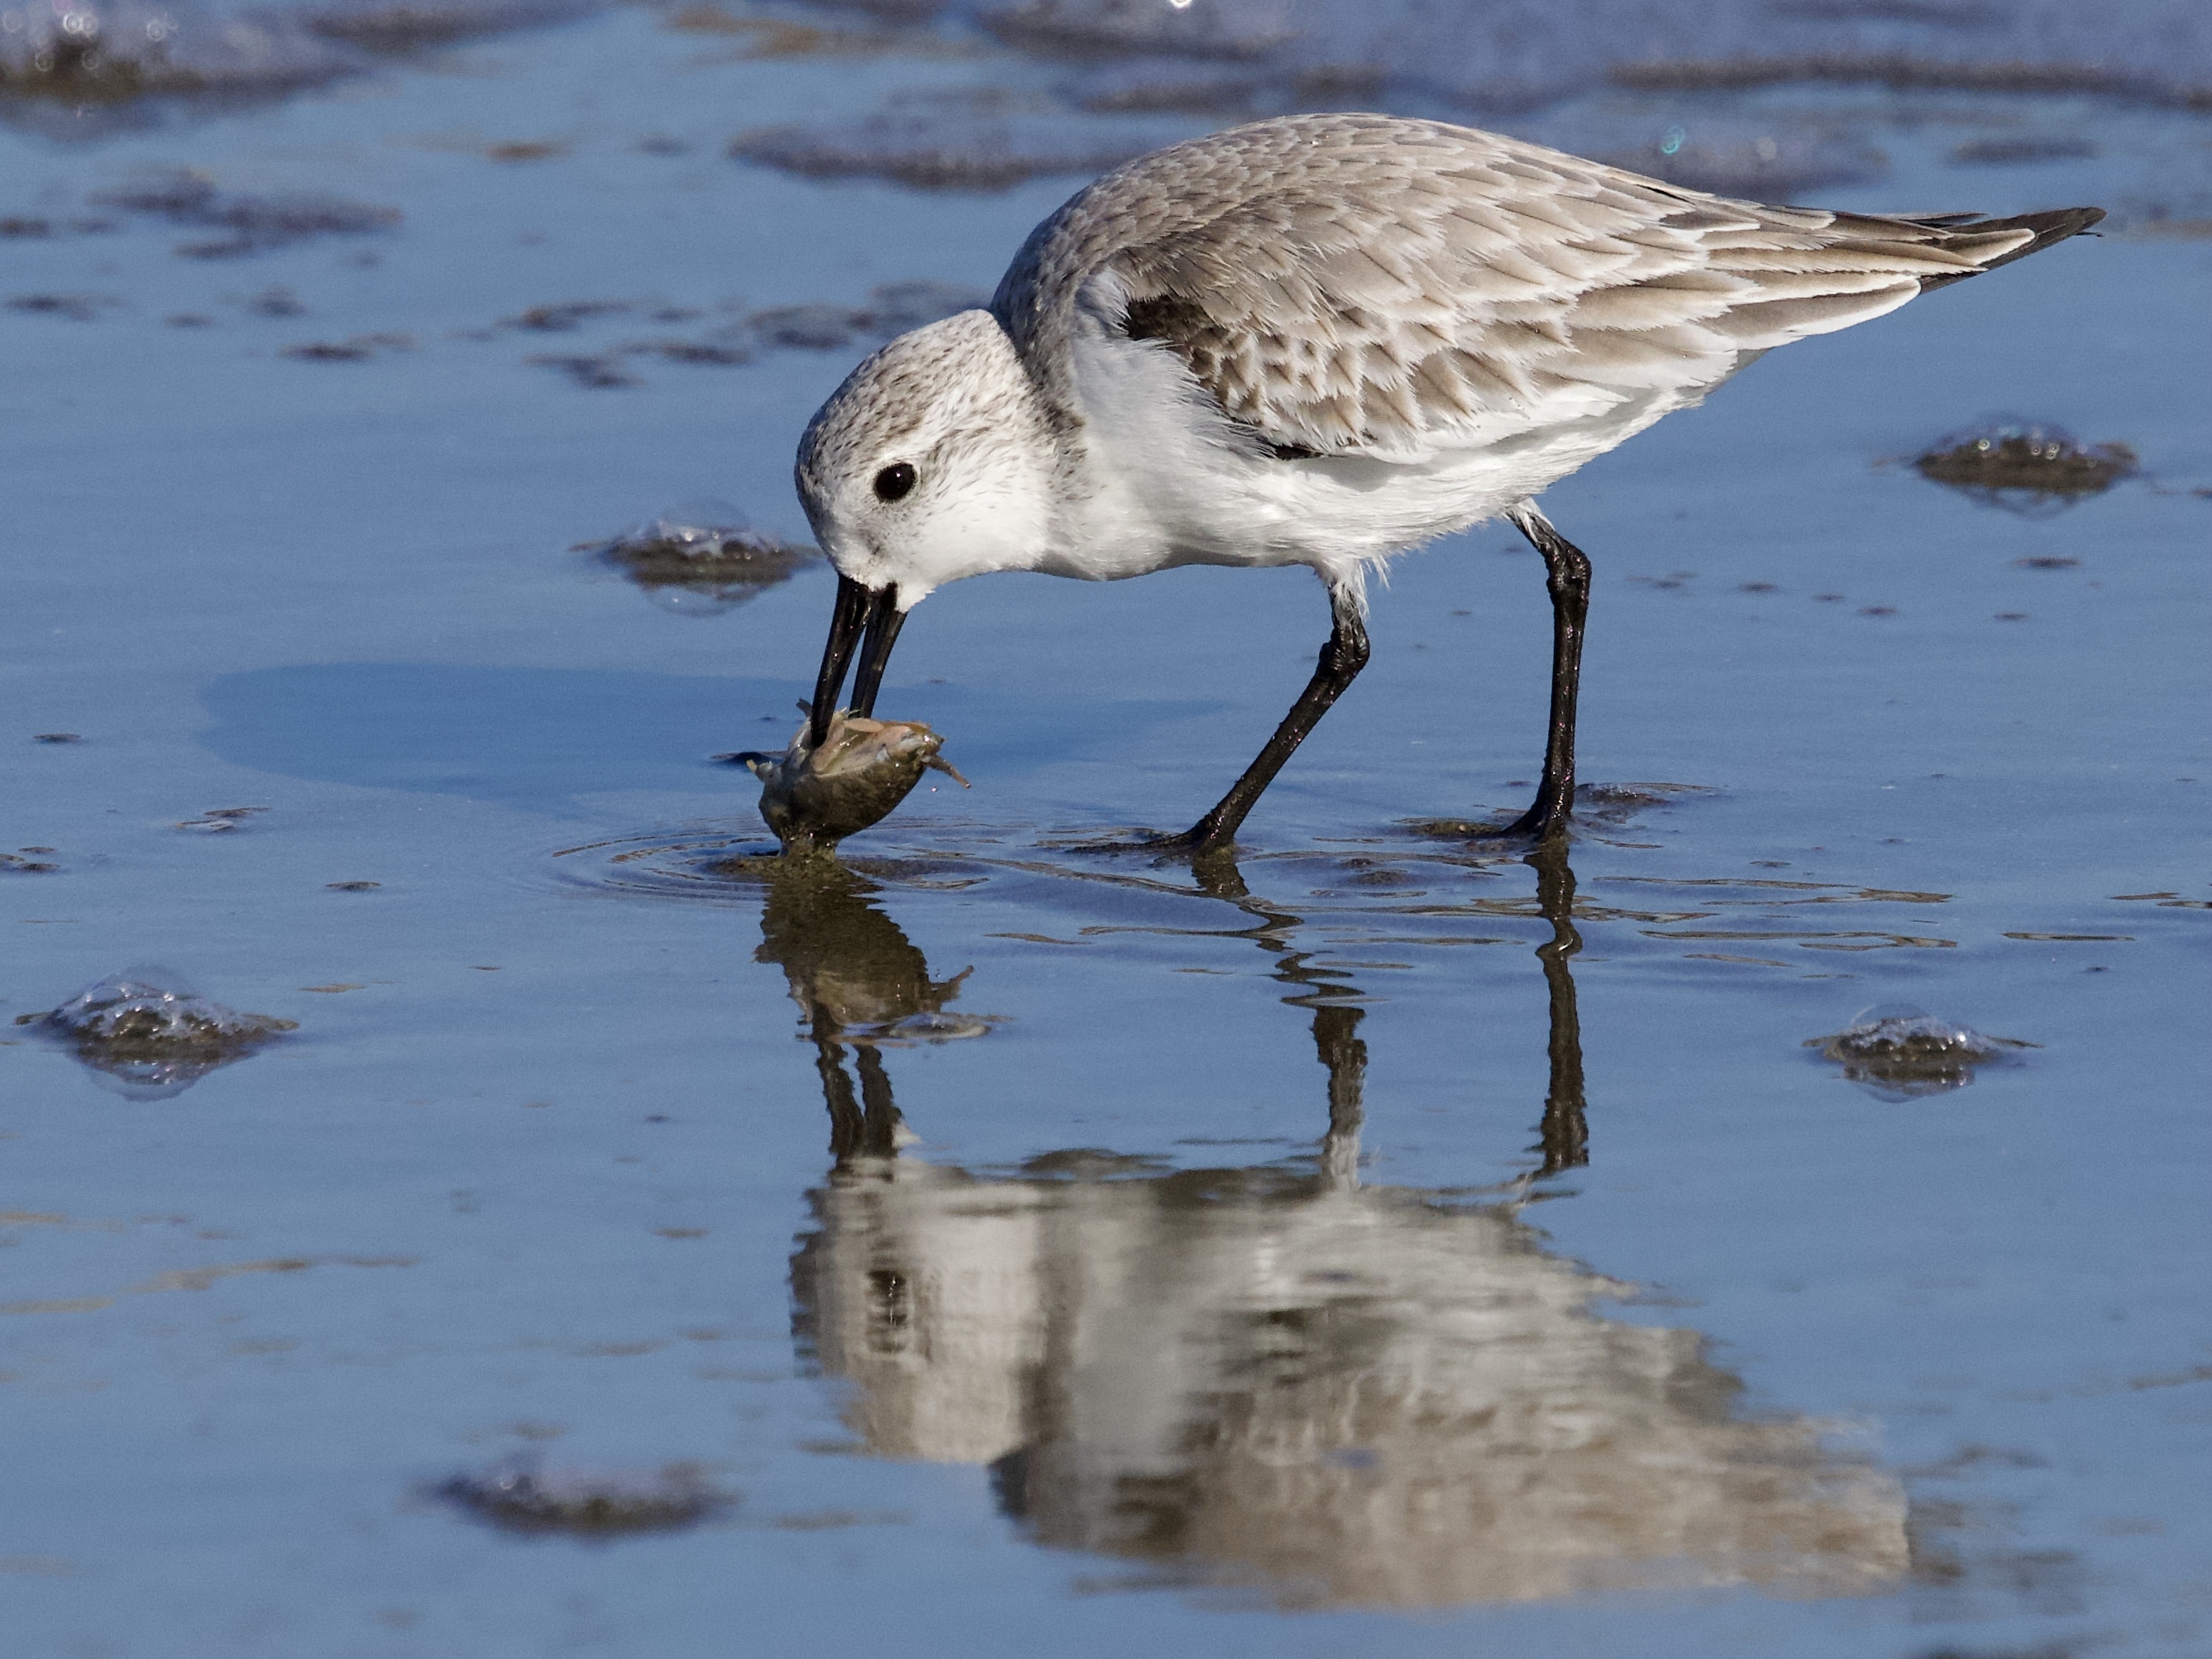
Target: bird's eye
x=894 y=482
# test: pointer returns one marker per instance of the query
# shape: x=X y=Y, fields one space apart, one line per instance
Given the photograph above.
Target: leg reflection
x=866 y=1127
x=1346 y=1056
x=1564 y=1139
x=1336 y=1013
x=847 y=1128
x=879 y=1118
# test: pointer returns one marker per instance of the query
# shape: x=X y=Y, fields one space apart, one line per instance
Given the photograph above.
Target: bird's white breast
x=1164 y=478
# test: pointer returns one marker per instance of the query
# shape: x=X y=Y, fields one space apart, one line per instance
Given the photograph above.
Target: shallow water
x=1386 y=1246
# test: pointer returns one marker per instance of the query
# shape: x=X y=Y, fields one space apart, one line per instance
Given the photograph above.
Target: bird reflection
x=861 y=983
x=1276 y=1376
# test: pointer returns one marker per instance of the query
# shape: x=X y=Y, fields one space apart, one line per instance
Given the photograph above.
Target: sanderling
x=1322 y=340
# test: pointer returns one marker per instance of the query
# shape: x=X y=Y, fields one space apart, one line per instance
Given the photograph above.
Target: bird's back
x=1365 y=285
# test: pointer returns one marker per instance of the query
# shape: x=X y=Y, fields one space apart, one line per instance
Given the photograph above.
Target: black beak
x=859 y=610
x=884 y=624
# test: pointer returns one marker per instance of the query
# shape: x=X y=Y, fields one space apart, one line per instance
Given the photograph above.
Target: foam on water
x=2025 y=466
x=522 y=1497
x=702 y=560
x=148 y=1036
x=1899 y=1051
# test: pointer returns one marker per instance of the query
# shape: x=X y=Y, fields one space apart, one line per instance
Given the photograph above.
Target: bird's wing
x=1369 y=285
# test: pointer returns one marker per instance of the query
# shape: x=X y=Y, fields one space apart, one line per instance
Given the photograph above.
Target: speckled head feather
x=952 y=402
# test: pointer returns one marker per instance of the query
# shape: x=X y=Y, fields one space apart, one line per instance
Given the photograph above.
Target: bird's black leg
x=1567 y=574
x=1341 y=659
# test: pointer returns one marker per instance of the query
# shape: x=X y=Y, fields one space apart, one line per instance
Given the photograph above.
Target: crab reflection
x=1277 y=1376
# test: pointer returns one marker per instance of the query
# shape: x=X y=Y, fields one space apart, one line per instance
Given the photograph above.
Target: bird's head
x=933 y=461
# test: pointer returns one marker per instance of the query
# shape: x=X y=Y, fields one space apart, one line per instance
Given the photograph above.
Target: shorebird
x=1323 y=340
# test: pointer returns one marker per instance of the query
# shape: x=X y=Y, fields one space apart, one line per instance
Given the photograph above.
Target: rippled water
x=1385 y=1245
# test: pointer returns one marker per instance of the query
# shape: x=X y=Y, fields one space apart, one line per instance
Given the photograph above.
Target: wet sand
x=1382 y=1245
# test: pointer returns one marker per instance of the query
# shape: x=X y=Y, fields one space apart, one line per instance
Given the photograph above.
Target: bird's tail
x=1993 y=242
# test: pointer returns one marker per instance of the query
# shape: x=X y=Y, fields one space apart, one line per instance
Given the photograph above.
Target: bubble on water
x=2030 y=467
x=703 y=559
x=517 y=1496
x=146 y=1034
x=1899 y=1051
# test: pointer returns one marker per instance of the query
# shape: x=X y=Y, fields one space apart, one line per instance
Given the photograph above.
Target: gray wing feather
x=1365 y=285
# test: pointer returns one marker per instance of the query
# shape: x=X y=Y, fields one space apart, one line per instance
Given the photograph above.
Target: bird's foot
x=1547 y=818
